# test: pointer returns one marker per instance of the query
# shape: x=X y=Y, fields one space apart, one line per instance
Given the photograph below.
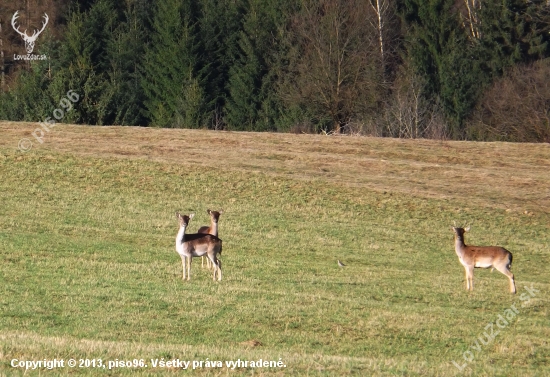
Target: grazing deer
x=482 y=257
x=197 y=245
x=212 y=229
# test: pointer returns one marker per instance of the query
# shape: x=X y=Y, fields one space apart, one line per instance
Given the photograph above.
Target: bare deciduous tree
x=333 y=68
x=2 y=62
x=382 y=22
x=516 y=107
x=471 y=20
x=409 y=114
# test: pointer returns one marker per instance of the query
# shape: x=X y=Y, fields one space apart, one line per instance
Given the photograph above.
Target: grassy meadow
x=89 y=268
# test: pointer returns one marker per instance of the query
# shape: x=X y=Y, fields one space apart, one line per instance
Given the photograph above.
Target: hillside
x=90 y=270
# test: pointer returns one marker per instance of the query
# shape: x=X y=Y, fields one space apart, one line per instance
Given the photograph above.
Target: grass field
x=89 y=268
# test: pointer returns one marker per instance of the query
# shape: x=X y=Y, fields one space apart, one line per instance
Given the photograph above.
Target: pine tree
x=220 y=23
x=125 y=51
x=30 y=99
x=244 y=83
x=170 y=69
x=252 y=104
x=84 y=62
x=438 y=49
x=512 y=32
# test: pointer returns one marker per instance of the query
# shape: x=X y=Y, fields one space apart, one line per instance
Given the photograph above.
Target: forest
x=436 y=69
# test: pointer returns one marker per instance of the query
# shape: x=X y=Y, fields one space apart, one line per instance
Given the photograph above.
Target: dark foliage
x=411 y=68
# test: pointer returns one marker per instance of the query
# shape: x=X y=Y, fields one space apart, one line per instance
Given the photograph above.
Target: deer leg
x=189 y=259
x=219 y=264
x=506 y=271
x=183 y=267
x=469 y=278
x=512 y=283
x=212 y=258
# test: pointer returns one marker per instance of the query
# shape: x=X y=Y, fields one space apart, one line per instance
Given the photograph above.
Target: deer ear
x=467 y=229
x=208 y=211
x=220 y=211
x=191 y=215
x=177 y=214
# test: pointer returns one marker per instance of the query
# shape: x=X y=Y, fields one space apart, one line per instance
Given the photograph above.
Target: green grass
x=89 y=270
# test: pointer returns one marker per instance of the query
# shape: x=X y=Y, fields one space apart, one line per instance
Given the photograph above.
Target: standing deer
x=482 y=257
x=197 y=245
x=212 y=229
x=29 y=41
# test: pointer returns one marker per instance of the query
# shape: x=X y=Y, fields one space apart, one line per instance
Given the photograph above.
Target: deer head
x=29 y=41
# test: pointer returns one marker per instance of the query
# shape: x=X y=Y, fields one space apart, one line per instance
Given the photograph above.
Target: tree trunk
x=2 y=62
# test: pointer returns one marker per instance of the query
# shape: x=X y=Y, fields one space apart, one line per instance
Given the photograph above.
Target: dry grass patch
x=500 y=175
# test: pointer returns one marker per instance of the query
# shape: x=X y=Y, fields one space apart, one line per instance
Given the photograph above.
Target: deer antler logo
x=29 y=41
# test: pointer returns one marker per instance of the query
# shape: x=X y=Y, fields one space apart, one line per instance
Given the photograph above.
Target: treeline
x=459 y=69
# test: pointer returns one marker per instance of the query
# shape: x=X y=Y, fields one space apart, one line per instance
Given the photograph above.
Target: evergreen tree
x=252 y=103
x=439 y=52
x=30 y=99
x=173 y=90
x=84 y=62
x=272 y=107
x=125 y=51
x=512 y=32
x=244 y=85
x=220 y=22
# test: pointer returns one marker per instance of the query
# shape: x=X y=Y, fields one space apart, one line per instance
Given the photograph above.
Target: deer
x=29 y=41
x=212 y=229
x=197 y=245
x=471 y=257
